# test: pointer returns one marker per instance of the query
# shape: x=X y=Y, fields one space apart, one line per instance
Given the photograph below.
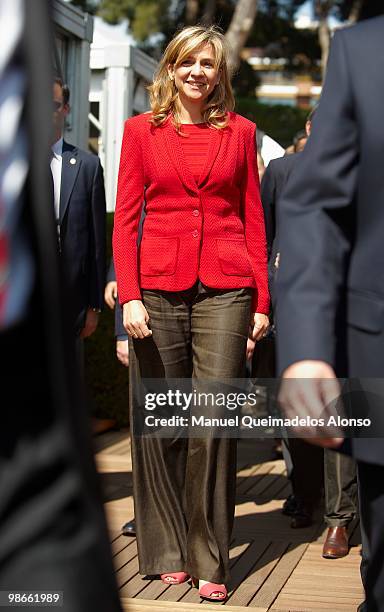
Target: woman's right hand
x=135 y=319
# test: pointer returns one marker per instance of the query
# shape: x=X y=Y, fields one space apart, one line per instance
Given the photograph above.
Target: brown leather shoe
x=336 y=543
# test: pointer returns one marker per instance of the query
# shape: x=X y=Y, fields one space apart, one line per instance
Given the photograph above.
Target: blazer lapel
x=69 y=171
x=213 y=150
x=175 y=154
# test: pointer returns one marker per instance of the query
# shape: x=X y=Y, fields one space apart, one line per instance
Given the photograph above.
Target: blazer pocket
x=158 y=256
x=365 y=312
x=233 y=257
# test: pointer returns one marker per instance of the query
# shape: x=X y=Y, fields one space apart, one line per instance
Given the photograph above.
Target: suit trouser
x=184 y=488
x=340 y=488
x=304 y=462
x=307 y=472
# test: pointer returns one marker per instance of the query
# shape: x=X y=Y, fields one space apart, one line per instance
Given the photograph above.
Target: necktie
x=16 y=269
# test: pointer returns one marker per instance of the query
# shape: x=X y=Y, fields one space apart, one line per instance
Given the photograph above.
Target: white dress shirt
x=56 y=166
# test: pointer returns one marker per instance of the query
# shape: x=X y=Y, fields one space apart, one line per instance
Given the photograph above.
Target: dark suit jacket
x=274 y=180
x=82 y=230
x=52 y=528
x=330 y=284
x=120 y=331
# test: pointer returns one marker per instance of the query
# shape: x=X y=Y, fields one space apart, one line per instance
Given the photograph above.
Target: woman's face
x=196 y=76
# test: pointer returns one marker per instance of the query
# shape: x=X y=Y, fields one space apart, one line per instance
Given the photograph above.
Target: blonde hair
x=164 y=96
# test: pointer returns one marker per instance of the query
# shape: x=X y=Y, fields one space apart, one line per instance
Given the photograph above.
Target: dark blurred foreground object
x=330 y=290
x=52 y=530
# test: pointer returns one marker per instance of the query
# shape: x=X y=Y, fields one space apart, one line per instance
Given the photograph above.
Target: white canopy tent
x=120 y=73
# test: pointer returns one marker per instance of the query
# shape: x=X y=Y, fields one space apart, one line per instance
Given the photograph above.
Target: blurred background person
x=52 y=530
x=122 y=350
x=80 y=210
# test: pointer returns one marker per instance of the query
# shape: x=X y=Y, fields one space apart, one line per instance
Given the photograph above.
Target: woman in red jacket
x=189 y=293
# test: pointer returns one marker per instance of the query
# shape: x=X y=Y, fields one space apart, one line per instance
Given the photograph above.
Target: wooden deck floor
x=273 y=567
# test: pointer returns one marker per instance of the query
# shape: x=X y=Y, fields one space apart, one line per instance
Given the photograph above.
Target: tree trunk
x=239 y=28
x=191 y=11
x=324 y=41
x=322 y=9
x=208 y=15
x=355 y=11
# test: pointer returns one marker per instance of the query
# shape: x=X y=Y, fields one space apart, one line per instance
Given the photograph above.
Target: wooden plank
x=243 y=591
x=259 y=573
x=114 y=534
x=281 y=572
x=121 y=543
x=109 y=441
x=136 y=582
x=297 y=589
x=278 y=490
x=136 y=605
x=124 y=557
x=125 y=574
x=153 y=590
x=181 y=591
x=260 y=480
x=110 y=463
x=307 y=603
x=259 y=488
x=242 y=479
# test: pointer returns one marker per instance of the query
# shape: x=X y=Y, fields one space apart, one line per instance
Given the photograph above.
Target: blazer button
x=195 y=233
x=195 y=213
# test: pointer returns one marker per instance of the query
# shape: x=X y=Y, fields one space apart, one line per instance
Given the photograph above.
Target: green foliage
x=280 y=122
x=146 y=18
x=114 y=11
x=106 y=377
x=279 y=38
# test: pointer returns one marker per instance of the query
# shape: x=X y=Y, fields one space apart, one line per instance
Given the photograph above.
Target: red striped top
x=195 y=146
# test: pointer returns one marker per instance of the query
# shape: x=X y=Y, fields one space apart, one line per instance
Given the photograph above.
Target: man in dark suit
x=80 y=213
x=330 y=289
x=304 y=462
x=52 y=530
x=309 y=467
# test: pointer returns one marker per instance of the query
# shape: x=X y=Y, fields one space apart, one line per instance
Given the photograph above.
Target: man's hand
x=91 y=322
x=310 y=388
x=135 y=319
x=110 y=293
x=122 y=352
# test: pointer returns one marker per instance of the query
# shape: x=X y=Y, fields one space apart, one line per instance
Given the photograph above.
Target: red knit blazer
x=212 y=230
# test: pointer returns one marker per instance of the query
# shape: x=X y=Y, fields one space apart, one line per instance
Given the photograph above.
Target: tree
x=322 y=12
x=239 y=29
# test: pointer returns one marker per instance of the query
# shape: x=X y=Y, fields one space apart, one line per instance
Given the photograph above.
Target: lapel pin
x=72 y=161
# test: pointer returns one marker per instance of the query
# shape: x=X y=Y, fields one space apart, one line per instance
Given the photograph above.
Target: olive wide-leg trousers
x=184 y=488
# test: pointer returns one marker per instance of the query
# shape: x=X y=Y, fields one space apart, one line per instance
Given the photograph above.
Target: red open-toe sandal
x=174 y=577
x=211 y=590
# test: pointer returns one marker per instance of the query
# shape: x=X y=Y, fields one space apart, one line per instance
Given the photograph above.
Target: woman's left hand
x=258 y=326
